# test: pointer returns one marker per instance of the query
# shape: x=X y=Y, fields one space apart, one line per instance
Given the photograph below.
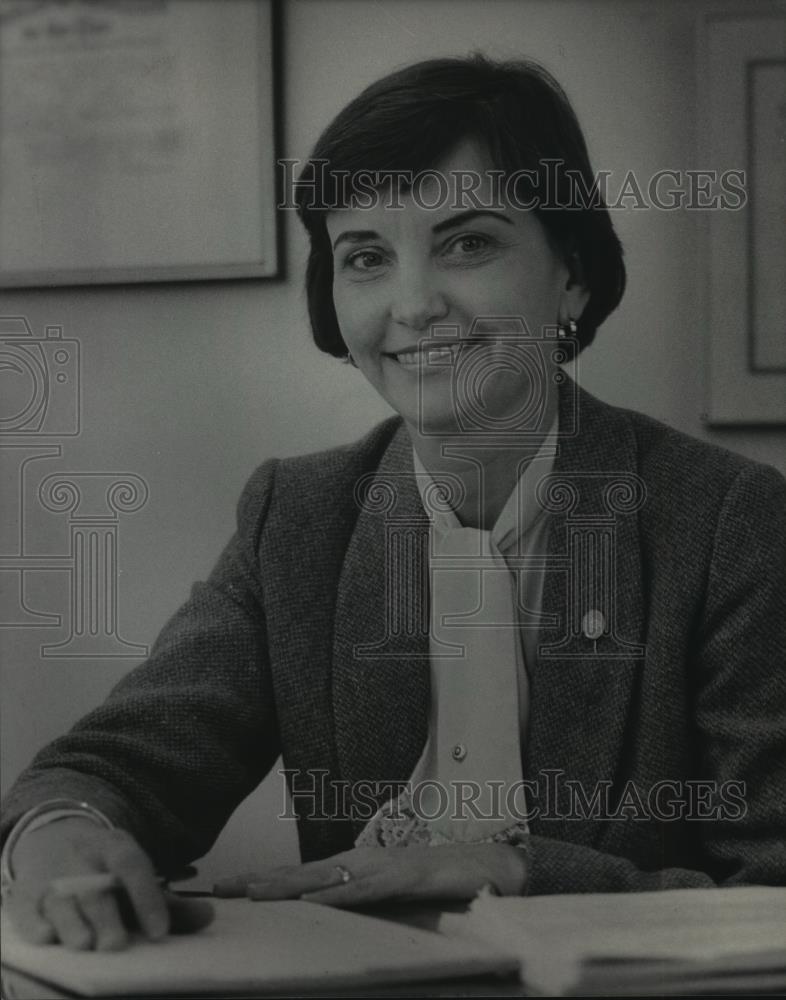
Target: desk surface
x=17 y=986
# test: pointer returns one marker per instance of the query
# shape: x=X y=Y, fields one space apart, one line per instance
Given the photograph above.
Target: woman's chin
x=430 y=419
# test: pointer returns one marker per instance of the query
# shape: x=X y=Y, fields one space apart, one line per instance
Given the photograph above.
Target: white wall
x=192 y=386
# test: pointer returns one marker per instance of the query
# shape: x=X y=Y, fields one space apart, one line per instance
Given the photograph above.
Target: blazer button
x=593 y=624
x=459 y=752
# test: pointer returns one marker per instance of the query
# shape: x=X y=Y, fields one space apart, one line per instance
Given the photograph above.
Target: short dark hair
x=411 y=119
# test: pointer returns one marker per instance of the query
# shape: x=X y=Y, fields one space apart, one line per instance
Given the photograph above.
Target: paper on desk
x=557 y=937
x=254 y=947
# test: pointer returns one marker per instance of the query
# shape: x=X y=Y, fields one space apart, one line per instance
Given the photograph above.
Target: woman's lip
x=420 y=355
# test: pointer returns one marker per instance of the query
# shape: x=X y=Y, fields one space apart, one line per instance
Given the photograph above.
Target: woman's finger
x=284 y=882
x=236 y=885
x=135 y=870
x=64 y=915
x=380 y=874
x=28 y=920
x=292 y=883
x=101 y=912
x=356 y=893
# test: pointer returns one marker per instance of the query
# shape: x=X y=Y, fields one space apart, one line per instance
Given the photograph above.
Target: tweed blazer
x=656 y=753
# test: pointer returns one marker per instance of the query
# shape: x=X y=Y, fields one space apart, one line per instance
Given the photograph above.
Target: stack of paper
x=673 y=941
x=282 y=947
x=654 y=943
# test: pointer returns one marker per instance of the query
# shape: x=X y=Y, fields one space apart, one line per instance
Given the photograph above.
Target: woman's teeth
x=431 y=355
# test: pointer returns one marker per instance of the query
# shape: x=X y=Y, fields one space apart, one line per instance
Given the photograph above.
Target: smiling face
x=400 y=271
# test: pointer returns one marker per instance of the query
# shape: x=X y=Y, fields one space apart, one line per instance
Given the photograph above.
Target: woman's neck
x=487 y=472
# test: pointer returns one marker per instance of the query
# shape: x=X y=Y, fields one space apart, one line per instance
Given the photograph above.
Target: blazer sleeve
x=188 y=734
x=739 y=713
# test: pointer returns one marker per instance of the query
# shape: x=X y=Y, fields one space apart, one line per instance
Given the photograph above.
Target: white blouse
x=485 y=597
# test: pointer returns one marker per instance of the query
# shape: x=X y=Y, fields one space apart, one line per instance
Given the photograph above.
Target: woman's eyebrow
x=360 y=235
x=356 y=236
x=471 y=213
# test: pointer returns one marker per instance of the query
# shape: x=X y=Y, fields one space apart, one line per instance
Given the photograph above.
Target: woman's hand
x=86 y=886
x=378 y=874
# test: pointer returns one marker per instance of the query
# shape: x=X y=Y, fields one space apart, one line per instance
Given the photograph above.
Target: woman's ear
x=575 y=294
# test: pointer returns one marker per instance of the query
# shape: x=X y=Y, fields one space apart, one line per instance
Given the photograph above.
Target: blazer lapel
x=581 y=687
x=381 y=648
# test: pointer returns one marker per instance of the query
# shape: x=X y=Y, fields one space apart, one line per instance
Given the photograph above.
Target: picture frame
x=139 y=142
x=742 y=116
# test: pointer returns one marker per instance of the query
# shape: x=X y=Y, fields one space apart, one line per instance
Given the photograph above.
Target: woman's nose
x=418 y=301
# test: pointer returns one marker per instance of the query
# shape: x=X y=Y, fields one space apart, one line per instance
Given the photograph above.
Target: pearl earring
x=572 y=328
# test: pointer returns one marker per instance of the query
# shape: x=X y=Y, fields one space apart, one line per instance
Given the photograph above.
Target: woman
x=534 y=639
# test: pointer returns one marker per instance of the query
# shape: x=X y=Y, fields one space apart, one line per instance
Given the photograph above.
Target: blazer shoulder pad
x=680 y=466
x=318 y=487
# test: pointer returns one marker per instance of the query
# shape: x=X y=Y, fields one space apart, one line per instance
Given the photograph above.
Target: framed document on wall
x=138 y=141
x=743 y=123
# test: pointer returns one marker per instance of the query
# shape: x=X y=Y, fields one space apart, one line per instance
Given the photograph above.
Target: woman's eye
x=363 y=260
x=469 y=244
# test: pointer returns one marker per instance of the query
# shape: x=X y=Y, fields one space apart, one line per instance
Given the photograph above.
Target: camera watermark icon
x=500 y=378
x=41 y=381
x=40 y=403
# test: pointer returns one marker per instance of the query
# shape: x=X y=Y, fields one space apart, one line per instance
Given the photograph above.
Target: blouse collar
x=522 y=509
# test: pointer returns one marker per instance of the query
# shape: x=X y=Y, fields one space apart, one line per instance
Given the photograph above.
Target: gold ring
x=343 y=873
